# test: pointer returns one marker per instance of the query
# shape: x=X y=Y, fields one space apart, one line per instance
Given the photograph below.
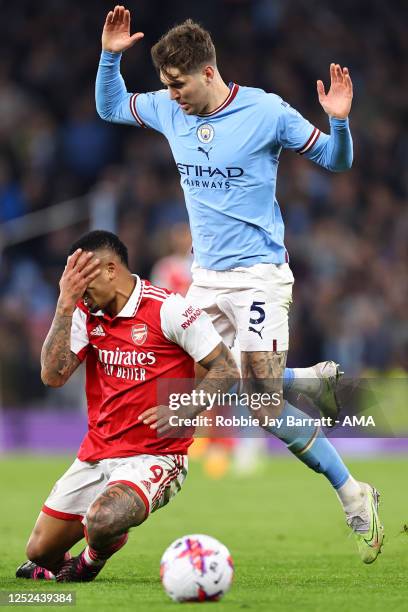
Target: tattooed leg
x=112 y=514
x=107 y=522
x=307 y=442
x=262 y=372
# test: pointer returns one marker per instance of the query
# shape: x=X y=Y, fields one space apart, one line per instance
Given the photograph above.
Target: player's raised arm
x=116 y=35
x=333 y=151
x=58 y=362
x=113 y=101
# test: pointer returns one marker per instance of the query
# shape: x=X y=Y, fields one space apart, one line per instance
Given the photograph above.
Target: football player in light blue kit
x=226 y=141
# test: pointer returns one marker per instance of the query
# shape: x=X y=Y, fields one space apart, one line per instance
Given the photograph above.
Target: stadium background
x=63 y=170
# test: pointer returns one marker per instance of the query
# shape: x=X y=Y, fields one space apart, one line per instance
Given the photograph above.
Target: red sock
x=95 y=557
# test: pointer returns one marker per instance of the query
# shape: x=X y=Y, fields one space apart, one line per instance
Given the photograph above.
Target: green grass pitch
x=283 y=526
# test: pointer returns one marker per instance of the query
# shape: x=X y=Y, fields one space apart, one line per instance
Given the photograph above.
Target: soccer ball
x=196 y=568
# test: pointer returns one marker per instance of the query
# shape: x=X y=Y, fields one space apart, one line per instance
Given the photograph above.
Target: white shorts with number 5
x=250 y=305
x=155 y=478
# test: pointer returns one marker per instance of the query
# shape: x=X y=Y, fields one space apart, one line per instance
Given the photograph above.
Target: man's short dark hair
x=100 y=239
x=186 y=47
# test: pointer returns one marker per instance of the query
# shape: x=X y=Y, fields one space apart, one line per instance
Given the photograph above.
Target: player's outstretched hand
x=337 y=101
x=81 y=269
x=116 y=31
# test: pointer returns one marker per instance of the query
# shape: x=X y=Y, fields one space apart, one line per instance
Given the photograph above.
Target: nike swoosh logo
x=374 y=531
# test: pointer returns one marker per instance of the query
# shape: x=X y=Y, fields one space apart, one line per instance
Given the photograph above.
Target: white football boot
x=365 y=523
x=320 y=386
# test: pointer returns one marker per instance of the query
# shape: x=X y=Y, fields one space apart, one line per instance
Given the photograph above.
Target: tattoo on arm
x=222 y=374
x=223 y=364
x=58 y=362
x=116 y=509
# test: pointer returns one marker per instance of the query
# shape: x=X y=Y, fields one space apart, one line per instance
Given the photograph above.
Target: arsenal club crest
x=139 y=333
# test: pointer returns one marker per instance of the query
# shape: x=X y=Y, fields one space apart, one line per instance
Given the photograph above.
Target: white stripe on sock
x=90 y=561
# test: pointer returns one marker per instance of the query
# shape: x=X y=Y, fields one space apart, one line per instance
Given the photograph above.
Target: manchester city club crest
x=205 y=133
x=139 y=333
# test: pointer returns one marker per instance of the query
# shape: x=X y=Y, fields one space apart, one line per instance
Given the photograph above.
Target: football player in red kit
x=130 y=334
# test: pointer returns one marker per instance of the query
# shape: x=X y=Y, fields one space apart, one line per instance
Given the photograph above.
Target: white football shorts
x=156 y=479
x=250 y=305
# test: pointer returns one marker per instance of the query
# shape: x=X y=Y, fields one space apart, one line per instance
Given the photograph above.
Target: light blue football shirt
x=227 y=161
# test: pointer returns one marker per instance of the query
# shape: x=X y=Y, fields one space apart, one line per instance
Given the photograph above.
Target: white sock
x=306 y=380
x=351 y=495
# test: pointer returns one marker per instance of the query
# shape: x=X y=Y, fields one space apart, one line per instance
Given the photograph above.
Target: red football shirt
x=156 y=334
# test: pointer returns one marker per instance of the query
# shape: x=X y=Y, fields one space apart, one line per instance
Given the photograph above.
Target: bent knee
x=37 y=550
x=106 y=523
x=114 y=512
x=99 y=523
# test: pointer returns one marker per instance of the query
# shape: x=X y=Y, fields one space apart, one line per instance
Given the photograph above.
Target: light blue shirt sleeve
x=115 y=104
x=334 y=151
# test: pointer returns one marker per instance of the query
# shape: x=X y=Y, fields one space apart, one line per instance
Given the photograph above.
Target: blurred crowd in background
x=347 y=234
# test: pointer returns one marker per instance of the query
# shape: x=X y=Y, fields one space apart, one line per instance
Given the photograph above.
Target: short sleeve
x=294 y=131
x=148 y=108
x=189 y=327
x=79 y=334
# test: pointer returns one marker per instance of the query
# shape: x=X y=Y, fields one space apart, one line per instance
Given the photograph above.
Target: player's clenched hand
x=337 y=101
x=158 y=418
x=116 y=31
x=81 y=269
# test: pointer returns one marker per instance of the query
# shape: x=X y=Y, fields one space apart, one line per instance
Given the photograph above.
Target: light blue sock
x=288 y=378
x=309 y=444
